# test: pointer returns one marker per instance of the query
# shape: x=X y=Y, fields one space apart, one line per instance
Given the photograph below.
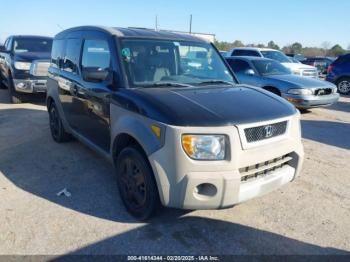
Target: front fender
x=137 y=126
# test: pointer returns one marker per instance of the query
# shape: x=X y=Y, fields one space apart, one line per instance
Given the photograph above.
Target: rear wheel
x=58 y=132
x=344 y=86
x=136 y=183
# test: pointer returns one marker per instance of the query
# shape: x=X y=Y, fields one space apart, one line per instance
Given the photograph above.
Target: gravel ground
x=309 y=216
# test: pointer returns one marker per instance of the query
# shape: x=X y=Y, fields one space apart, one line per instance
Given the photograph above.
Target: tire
x=58 y=132
x=343 y=85
x=137 y=186
x=15 y=98
x=2 y=86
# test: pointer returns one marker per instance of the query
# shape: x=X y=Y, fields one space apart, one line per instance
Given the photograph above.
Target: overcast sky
x=310 y=22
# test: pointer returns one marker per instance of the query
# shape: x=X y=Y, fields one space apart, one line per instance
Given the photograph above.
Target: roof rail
x=143 y=28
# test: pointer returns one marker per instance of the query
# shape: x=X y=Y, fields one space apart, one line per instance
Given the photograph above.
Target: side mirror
x=94 y=74
x=249 y=72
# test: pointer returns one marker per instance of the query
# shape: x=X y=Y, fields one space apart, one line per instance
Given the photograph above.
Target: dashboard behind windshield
x=151 y=62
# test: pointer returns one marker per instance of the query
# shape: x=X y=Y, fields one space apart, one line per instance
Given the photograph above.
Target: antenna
x=190 y=23
x=156 y=25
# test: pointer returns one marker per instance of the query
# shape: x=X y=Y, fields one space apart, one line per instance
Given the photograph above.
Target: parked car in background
x=298 y=57
x=296 y=68
x=321 y=63
x=272 y=76
x=294 y=60
x=223 y=53
x=339 y=73
x=167 y=111
x=24 y=61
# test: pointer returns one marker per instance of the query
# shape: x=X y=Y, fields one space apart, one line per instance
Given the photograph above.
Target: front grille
x=310 y=73
x=262 y=169
x=258 y=133
x=323 y=92
x=40 y=68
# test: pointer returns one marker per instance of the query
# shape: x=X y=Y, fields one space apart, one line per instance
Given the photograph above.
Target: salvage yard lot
x=309 y=216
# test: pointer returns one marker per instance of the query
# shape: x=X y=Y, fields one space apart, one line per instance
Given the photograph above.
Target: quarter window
x=71 y=61
x=96 y=54
x=57 y=53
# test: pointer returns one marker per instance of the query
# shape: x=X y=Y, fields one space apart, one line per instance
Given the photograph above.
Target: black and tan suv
x=168 y=112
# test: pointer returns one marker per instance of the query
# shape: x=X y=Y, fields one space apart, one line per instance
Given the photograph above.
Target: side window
x=245 y=53
x=57 y=53
x=5 y=44
x=96 y=54
x=71 y=60
x=239 y=66
x=8 y=44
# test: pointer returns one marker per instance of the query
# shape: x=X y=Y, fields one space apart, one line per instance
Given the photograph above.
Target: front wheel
x=344 y=86
x=14 y=96
x=136 y=183
x=2 y=85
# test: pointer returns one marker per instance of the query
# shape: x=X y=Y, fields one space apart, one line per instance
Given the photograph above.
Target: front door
x=94 y=97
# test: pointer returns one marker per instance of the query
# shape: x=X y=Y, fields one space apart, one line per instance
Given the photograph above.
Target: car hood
x=31 y=56
x=302 y=82
x=297 y=66
x=205 y=106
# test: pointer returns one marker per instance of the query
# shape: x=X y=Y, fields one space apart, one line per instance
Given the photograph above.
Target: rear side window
x=96 y=54
x=71 y=60
x=57 y=53
x=245 y=53
x=239 y=66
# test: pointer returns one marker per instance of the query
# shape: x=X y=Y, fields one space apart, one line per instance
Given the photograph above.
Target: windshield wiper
x=216 y=82
x=171 y=84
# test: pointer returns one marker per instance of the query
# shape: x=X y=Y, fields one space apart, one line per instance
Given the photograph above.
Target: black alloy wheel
x=136 y=183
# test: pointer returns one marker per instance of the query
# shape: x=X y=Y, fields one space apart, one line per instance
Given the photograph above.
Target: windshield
x=21 y=45
x=153 y=62
x=270 y=67
x=276 y=55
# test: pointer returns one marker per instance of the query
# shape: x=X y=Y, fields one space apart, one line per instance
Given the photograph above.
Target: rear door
x=68 y=79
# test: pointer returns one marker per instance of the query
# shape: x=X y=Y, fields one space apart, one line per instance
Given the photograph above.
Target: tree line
x=326 y=48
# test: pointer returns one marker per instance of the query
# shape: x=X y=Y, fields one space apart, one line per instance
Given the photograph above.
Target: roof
x=250 y=58
x=254 y=49
x=132 y=32
x=30 y=36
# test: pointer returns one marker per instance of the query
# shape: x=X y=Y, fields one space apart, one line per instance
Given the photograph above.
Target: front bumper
x=304 y=102
x=190 y=184
x=30 y=85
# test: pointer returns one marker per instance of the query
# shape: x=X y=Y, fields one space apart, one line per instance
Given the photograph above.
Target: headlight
x=204 y=147
x=22 y=65
x=296 y=72
x=300 y=91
